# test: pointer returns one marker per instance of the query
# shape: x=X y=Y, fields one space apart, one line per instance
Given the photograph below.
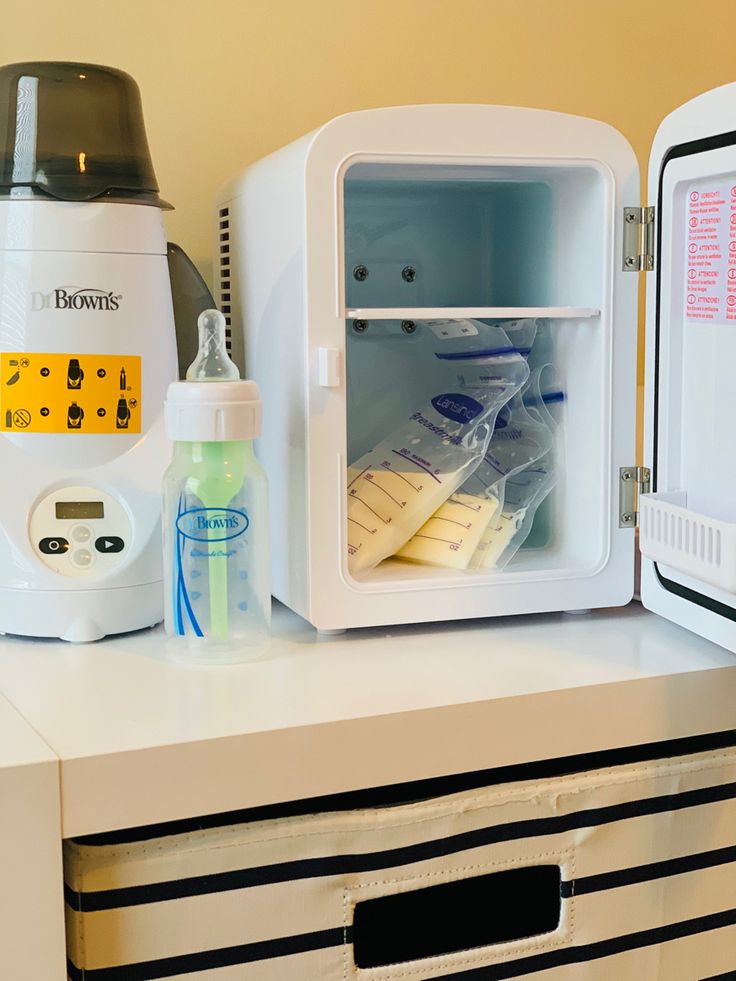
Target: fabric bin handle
x=487 y=909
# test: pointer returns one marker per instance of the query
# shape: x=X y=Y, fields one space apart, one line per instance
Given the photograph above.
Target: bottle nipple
x=212 y=363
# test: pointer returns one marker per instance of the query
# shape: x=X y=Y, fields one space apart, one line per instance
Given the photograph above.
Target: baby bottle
x=215 y=521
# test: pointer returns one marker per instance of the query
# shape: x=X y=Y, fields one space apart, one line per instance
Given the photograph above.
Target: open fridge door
x=688 y=521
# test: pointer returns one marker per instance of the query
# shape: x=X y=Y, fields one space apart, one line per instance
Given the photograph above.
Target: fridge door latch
x=328 y=367
x=632 y=482
x=638 y=239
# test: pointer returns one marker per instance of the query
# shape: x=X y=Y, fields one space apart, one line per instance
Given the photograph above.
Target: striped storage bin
x=626 y=872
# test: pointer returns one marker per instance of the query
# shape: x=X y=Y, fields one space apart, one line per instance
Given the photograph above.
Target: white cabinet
x=380 y=714
x=32 y=941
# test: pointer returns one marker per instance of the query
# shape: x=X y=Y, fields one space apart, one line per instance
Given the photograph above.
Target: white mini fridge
x=338 y=253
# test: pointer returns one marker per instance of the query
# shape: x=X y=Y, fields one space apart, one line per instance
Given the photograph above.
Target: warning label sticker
x=710 y=267
x=70 y=393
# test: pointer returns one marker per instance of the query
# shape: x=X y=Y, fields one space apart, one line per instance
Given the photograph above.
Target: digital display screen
x=80 y=509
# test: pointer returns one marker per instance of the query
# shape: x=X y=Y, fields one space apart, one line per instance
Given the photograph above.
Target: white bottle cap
x=213 y=405
x=201 y=413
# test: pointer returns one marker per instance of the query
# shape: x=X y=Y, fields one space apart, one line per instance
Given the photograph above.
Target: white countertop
x=143 y=739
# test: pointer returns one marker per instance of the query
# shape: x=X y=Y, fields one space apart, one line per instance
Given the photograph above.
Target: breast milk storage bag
x=397 y=485
x=374 y=268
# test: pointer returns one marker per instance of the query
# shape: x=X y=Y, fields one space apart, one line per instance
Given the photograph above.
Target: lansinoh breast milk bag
x=525 y=490
x=452 y=535
x=396 y=486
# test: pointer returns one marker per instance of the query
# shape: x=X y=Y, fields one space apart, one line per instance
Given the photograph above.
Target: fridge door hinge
x=632 y=481
x=638 y=239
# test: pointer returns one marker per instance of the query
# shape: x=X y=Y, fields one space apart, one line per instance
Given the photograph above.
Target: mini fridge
x=337 y=254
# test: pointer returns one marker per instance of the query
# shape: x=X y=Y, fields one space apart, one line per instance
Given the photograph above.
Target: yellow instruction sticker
x=70 y=393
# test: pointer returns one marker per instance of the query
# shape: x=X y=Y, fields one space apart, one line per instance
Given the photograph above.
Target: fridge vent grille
x=693 y=543
x=224 y=282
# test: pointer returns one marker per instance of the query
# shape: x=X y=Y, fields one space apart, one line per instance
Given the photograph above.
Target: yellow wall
x=226 y=82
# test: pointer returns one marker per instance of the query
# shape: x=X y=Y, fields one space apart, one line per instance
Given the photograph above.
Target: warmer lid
x=73 y=131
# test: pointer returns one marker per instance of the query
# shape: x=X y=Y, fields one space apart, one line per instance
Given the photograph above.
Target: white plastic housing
x=541 y=228
x=119 y=248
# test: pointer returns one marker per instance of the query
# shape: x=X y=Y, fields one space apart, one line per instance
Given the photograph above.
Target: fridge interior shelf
x=471 y=313
x=699 y=546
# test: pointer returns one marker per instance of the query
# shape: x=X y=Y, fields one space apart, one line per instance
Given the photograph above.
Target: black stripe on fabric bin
x=646 y=873
x=597 y=950
x=310 y=868
x=728 y=976
x=321 y=940
x=394 y=795
x=210 y=960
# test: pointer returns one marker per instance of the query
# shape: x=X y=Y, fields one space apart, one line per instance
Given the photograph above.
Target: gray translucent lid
x=73 y=131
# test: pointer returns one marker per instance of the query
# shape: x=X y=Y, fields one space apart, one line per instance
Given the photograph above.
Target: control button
x=109 y=543
x=53 y=546
x=83 y=558
x=81 y=533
